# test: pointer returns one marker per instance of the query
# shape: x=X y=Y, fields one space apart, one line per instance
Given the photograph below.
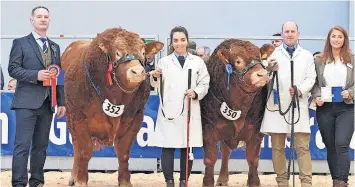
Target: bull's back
x=72 y=64
x=73 y=53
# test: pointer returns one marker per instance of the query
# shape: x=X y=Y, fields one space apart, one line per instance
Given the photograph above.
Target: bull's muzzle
x=260 y=78
x=136 y=74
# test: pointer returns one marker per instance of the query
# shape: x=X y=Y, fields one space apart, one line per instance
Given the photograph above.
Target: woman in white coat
x=171 y=78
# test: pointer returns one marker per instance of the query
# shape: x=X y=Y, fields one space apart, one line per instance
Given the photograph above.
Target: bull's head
x=125 y=53
x=244 y=60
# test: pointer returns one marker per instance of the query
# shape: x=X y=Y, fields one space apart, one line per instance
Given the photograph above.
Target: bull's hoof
x=220 y=183
x=81 y=185
x=203 y=185
x=71 y=181
x=125 y=184
x=253 y=179
x=254 y=185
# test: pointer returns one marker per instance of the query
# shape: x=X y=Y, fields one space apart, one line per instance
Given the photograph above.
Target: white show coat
x=304 y=79
x=172 y=133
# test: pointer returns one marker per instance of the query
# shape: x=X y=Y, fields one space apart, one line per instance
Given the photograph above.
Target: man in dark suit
x=29 y=58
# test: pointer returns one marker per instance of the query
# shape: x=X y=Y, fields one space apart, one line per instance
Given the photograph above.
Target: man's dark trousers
x=32 y=126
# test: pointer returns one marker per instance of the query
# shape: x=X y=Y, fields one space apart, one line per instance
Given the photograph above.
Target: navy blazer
x=24 y=64
x=320 y=81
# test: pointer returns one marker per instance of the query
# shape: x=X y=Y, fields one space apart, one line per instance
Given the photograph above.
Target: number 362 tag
x=111 y=109
x=229 y=113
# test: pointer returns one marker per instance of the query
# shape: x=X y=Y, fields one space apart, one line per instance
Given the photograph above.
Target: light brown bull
x=106 y=89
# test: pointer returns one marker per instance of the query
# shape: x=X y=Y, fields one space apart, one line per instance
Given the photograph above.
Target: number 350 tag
x=229 y=113
x=111 y=109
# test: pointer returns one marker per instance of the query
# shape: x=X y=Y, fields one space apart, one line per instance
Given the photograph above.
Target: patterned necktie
x=45 y=48
x=290 y=50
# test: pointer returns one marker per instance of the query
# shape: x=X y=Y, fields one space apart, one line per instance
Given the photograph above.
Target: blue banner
x=60 y=139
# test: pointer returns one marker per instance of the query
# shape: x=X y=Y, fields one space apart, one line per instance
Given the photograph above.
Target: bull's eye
x=238 y=62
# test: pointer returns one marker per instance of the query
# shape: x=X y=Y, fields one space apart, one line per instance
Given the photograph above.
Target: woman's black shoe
x=170 y=183
x=182 y=183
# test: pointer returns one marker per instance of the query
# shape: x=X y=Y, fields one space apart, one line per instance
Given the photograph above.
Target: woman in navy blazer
x=336 y=119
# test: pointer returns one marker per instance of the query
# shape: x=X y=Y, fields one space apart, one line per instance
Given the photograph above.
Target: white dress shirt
x=38 y=40
x=335 y=74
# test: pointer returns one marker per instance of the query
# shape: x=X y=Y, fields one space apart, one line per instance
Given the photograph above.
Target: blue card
x=331 y=94
x=336 y=92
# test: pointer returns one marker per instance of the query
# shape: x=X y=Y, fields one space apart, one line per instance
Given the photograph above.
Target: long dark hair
x=178 y=29
x=345 y=52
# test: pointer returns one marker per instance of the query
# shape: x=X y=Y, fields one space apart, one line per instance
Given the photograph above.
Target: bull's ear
x=266 y=50
x=102 y=42
x=102 y=47
x=223 y=55
x=153 y=47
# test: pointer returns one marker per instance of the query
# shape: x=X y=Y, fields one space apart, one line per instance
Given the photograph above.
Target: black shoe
x=182 y=183
x=170 y=183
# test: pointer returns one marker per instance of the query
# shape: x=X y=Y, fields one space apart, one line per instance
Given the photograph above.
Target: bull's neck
x=235 y=97
x=97 y=70
x=118 y=97
x=241 y=100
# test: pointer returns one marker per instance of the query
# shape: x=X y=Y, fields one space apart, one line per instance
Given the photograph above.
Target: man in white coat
x=278 y=126
x=170 y=131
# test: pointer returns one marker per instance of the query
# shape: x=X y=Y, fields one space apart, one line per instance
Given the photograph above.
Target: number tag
x=111 y=109
x=229 y=113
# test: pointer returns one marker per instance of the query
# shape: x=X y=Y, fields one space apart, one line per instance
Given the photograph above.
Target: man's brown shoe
x=339 y=183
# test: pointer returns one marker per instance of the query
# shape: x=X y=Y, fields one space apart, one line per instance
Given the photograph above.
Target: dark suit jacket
x=320 y=81
x=25 y=62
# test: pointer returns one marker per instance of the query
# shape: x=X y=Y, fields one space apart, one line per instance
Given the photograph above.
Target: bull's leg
x=83 y=148
x=224 y=172
x=123 y=148
x=74 y=171
x=210 y=156
x=253 y=155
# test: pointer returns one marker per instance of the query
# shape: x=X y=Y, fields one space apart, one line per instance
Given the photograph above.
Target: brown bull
x=106 y=90
x=232 y=111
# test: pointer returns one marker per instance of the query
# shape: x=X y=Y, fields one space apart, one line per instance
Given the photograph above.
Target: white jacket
x=304 y=79
x=172 y=133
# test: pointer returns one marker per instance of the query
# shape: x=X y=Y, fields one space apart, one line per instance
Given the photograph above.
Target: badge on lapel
x=54 y=49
